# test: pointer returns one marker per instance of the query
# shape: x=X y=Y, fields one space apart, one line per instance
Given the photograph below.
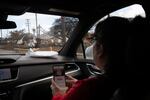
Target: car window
x=85 y=49
x=129 y=12
x=39 y=32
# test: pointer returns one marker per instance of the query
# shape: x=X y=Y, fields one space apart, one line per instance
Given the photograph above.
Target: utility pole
x=36 y=22
x=33 y=31
x=39 y=30
x=28 y=25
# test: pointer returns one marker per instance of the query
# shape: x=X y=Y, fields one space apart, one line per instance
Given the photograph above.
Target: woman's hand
x=56 y=89
x=70 y=81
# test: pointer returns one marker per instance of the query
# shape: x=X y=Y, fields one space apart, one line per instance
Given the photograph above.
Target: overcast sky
x=45 y=21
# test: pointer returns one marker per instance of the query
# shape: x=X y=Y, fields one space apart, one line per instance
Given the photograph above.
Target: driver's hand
x=70 y=81
x=57 y=89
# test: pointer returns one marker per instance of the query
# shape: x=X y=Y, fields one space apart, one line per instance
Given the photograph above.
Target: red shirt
x=89 y=89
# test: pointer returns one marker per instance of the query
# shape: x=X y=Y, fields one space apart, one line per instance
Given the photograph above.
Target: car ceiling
x=62 y=7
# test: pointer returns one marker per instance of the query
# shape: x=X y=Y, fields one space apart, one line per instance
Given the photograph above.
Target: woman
x=109 y=53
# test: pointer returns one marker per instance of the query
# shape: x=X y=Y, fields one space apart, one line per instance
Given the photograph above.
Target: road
x=2 y=51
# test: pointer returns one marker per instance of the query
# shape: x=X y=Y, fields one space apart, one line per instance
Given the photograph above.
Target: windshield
x=38 y=32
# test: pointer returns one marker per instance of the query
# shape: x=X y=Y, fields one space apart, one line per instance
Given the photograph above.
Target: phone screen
x=59 y=75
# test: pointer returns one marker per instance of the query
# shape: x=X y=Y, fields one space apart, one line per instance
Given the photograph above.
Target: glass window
x=80 y=53
x=39 y=32
x=87 y=47
x=128 y=12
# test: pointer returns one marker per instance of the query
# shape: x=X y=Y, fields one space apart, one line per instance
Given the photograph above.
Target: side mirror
x=7 y=25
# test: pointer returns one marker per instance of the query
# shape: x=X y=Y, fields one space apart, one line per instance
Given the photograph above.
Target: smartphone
x=59 y=75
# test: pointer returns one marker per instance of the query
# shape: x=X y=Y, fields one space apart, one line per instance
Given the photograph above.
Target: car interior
x=24 y=77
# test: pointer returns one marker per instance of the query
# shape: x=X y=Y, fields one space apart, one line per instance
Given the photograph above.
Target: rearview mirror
x=7 y=24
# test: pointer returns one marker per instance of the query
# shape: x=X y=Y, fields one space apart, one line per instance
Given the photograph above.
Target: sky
x=127 y=12
x=44 y=20
x=130 y=11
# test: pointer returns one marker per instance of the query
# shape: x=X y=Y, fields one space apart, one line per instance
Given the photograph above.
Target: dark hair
x=112 y=34
x=120 y=38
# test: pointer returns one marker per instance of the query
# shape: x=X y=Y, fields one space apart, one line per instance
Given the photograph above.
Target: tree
x=15 y=35
x=62 y=27
x=19 y=37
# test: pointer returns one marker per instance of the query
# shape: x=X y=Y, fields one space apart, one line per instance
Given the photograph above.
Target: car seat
x=136 y=84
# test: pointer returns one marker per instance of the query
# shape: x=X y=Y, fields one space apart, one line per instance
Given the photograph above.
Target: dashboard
x=28 y=72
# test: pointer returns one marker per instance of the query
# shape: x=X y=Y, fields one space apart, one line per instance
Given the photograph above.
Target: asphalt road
x=2 y=51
